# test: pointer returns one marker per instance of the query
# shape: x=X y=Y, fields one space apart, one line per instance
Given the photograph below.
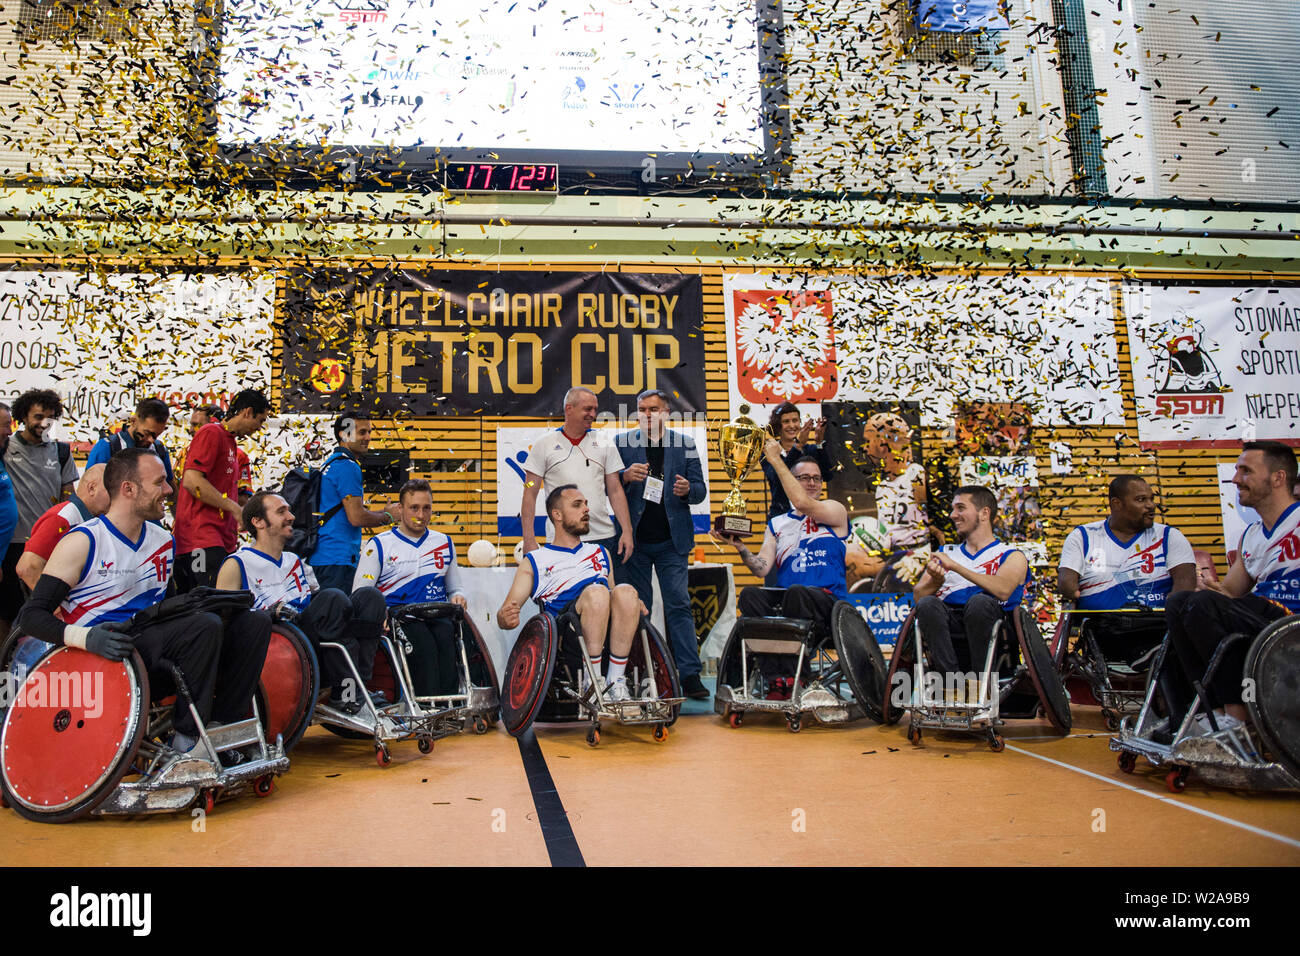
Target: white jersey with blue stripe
x=408 y=570
x=1114 y=573
x=808 y=553
x=1272 y=557
x=120 y=576
x=956 y=590
x=561 y=574
x=289 y=580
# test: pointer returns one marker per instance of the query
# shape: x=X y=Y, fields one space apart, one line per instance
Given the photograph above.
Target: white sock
x=617 y=666
x=595 y=665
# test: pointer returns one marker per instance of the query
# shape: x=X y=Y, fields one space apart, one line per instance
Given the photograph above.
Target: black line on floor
x=561 y=844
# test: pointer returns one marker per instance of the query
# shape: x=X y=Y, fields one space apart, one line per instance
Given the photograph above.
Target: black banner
x=443 y=342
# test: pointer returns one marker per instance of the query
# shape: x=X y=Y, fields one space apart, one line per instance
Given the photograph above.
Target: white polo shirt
x=560 y=462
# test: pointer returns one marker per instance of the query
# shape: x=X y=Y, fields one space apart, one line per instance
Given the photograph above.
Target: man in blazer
x=662 y=477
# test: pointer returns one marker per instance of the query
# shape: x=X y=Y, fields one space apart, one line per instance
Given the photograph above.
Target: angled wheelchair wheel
x=528 y=672
x=481 y=669
x=1273 y=667
x=900 y=663
x=289 y=685
x=664 y=666
x=72 y=733
x=860 y=658
x=1042 y=672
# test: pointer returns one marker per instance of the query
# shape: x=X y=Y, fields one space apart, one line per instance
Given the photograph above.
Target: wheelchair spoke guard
x=860 y=658
x=900 y=662
x=72 y=733
x=665 y=667
x=1273 y=668
x=528 y=672
x=1042 y=672
x=289 y=685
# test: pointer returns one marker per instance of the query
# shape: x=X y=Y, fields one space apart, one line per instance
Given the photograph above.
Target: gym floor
x=752 y=796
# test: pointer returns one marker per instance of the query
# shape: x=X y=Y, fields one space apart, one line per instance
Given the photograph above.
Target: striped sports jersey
x=898 y=509
x=956 y=590
x=408 y=571
x=808 y=553
x=1114 y=573
x=1272 y=557
x=120 y=576
x=561 y=574
x=289 y=580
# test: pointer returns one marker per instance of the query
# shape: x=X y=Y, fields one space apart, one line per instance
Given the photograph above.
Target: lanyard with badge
x=654 y=486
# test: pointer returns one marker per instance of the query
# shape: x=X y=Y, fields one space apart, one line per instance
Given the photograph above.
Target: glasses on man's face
x=809 y=479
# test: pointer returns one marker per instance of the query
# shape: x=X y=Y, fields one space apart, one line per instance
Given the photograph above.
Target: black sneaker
x=349 y=707
x=693 y=688
x=232 y=758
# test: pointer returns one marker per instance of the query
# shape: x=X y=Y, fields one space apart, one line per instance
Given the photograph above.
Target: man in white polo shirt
x=579 y=455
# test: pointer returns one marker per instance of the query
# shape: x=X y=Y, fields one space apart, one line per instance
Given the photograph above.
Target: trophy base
x=737 y=526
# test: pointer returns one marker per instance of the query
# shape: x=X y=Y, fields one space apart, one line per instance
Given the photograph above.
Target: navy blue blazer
x=680 y=458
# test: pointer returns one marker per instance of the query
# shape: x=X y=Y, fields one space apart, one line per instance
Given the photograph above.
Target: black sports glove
x=113 y=645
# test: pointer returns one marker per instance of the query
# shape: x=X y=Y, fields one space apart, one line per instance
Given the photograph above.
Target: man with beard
x=325 y=615
x=142 y=431
x=1126 y=560
x=572 y=573
x=42 y=474
x=1261 y=586
x=968 y=587
x=107 y=569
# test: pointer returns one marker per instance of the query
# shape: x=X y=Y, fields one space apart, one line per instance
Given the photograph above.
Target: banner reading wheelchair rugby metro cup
x=105 y=340
x=461 y=342
x=1215 y=365
x=1045 y=340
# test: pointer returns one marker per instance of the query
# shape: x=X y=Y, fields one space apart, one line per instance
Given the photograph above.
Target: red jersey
x=53 y=525
x=213 y=454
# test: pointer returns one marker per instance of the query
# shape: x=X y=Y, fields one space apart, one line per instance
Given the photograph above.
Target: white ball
x=482 y=552
x=519 y=553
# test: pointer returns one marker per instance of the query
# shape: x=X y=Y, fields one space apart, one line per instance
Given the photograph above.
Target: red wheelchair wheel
x=289 y=685
x=529 y=670
x=72 y=733
x=662 y=661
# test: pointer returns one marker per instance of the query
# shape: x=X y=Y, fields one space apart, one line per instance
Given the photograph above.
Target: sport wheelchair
x=1263 y=754
x=542 y=680
x=413 y=711
x=81 y=736
x=796 y=668
x=1031 y=689
x=1090 y=676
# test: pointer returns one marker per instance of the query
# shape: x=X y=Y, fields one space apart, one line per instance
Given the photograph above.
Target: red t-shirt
x=245 y=472
x=213 y=454
x=52 y=526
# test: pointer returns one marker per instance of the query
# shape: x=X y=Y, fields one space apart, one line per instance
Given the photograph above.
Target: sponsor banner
x=512 y=452
x=104 y=341
x=710 y=588
x=477 y=343
x=885 y=614
x=1046 y=341
x=1215 y=365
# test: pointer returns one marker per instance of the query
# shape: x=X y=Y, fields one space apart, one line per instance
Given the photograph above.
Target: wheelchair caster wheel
x=996 y=743
x=480 y=725
x=796 y=725
x=264 y=786
x=735 y=718
x=593 y=737
x=1176 y=780
x=1112 y=720
x=1128 y=762
x=661 y=733
x=913 y=734
x=382 y=756
x=209 y=800
x=425 y=744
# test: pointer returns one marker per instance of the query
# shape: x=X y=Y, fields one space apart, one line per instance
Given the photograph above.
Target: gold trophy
x=740 y=449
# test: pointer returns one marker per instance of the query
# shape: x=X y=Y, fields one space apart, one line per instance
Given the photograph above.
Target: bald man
x=88 y=501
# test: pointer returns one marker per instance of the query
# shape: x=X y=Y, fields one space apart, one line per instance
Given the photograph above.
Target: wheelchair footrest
x=242 y=733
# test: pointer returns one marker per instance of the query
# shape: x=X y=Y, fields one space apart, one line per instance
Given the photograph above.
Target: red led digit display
x=501 y=177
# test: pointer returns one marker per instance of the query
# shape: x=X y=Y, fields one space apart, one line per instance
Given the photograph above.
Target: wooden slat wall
x=465 y=501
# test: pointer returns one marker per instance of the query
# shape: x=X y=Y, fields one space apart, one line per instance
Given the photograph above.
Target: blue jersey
x=561 y=574
x=808 y=553
x=1114 y=573
x=120 y=576
x=8 y=506
x=956 y=590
